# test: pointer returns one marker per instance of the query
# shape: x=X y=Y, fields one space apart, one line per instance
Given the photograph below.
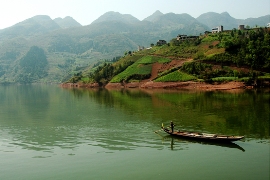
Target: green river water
x=47 y=132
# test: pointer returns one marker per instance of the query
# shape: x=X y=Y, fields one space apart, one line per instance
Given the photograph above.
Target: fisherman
x=172 y=125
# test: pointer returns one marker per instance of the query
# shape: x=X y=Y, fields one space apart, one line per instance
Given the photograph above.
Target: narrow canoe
x=203 y=136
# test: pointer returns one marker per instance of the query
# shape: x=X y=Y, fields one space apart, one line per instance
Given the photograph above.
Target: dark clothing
x=172 y=125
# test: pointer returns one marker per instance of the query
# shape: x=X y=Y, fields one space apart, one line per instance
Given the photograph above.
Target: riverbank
x=189 y=85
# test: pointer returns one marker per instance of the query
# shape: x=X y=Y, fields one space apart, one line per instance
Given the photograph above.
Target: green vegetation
x=153 y=59
x=222 y=79
x=249 y=48
x=210 y=38
x=186 y=49
x=140 y=70
x=176 y=76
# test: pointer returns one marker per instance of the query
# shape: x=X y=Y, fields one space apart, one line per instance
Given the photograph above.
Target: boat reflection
x=175 y=140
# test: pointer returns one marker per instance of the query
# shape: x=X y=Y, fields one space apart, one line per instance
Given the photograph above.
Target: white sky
x=86 y=11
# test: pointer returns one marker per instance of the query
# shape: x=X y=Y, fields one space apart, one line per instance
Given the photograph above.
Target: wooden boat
x=202 y=136
x=176 y=139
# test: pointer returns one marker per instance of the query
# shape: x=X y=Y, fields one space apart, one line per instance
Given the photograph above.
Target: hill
x=70 y=47
x=154 y=16
x=212 y=19
x=212 y=58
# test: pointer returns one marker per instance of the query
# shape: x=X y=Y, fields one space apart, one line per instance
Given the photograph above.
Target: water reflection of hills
x=42 y=118
x=237 y=113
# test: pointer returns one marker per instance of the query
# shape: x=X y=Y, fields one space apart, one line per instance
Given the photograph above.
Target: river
x=47 y=132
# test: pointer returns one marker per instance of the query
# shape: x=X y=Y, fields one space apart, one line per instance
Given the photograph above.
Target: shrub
x=223 y=79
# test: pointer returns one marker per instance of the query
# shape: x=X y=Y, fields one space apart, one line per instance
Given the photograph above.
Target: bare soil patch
x=161 y=67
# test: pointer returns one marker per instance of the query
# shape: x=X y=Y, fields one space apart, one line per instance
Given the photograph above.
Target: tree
x=232 y=33
x=220 y=35
x=239 y=32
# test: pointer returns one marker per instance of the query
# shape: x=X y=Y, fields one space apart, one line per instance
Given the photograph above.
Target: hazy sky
x=86 y=11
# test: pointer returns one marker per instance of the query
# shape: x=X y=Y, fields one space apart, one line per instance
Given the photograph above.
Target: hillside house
x=161 y=42
x=217 y=29
x=241 y=27
x=140 y=48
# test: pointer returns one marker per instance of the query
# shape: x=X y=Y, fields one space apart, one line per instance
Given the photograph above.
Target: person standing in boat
x=172 y=126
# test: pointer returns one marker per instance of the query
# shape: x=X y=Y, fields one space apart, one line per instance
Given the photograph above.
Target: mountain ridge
x=67 y=22
x=150 y=18
x=116 y=16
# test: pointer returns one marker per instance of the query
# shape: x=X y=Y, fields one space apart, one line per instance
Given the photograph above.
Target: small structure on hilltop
x=217 y=29
x=268 y=25
x=161 y=42
x=140 y=48
x=241 y=27
x=185 y=37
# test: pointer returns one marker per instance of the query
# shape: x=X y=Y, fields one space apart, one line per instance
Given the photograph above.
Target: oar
x=160 y=129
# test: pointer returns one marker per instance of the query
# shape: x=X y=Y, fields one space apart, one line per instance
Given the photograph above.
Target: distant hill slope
x=36 y=25
x=212 y=19
x=260 y=21
x=67 y=22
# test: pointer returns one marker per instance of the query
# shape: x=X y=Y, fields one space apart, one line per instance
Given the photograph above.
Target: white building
x=268 y=25
x=217 y=29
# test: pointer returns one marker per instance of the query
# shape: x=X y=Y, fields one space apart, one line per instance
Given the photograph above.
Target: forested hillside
x=234 y=55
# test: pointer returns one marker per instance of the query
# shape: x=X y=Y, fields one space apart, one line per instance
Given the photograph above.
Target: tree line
x=246 y=48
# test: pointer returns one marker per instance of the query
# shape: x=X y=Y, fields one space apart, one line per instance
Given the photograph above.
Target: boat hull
x=203 y=137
